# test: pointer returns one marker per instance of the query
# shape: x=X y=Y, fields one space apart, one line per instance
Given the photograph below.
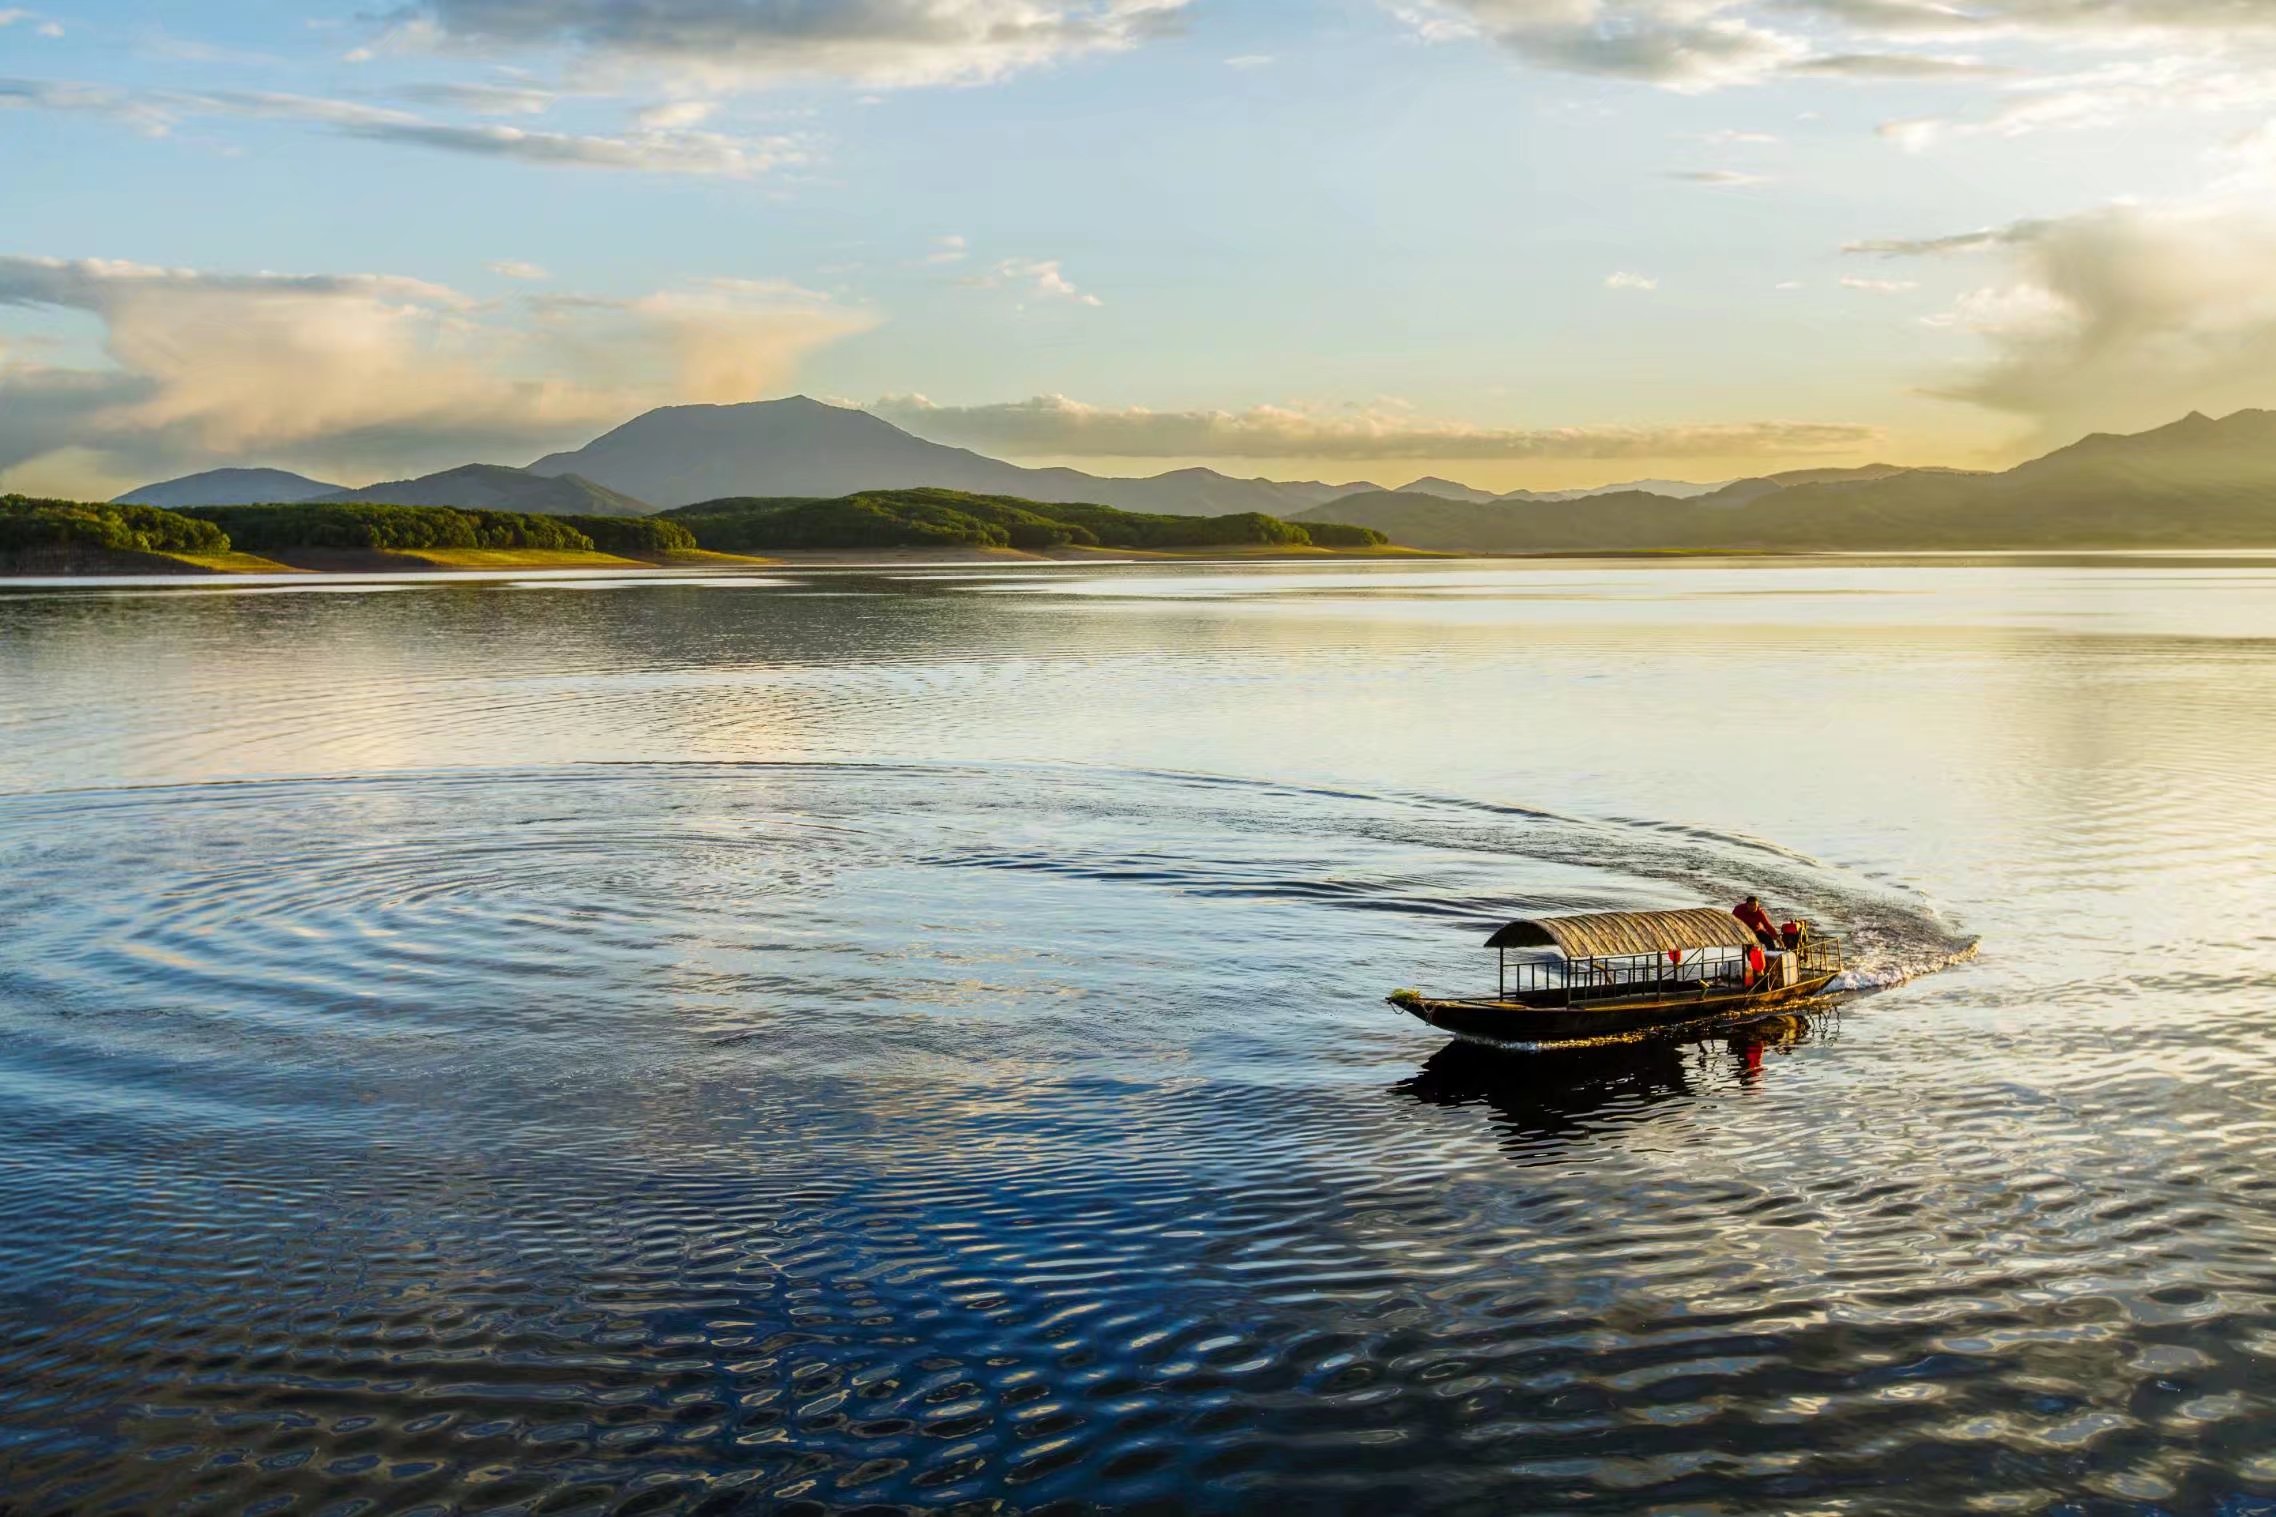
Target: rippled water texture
x=832 y=1041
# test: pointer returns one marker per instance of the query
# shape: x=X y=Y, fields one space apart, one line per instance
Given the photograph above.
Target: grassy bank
x=231 y=562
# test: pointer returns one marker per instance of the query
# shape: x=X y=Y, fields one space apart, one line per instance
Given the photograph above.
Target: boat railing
x=1818 y=954
x=1693 y=971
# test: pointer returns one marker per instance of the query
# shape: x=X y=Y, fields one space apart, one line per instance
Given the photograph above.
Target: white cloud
x=1954 y=242
x=1039 y=276
x=479 y=99
x=1693 y=45
x=1623 y=280
x=145 y=113
x=1896 y=66
x=515 y=268
x=1728 y=137
x=2105 y=96
x=727 y=42
x=1055 y=426
x=2119 y=317
x=1878 y=286
x=716 y=341
x=1680 y=44
x=341 y=373
x=647 y=150
x=1729 y=179
x=949 y=249
x=675 y=115
x=1250 y=61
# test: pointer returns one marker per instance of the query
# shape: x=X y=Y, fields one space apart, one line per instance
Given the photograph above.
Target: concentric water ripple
x=428 y=1129
x=869 y=1131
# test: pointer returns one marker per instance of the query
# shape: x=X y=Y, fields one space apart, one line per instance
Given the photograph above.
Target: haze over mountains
x=678 y=455
x=2195 y=483
x=1448 y=489
x=470 y=487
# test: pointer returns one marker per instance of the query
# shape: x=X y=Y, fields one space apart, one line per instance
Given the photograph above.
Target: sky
x=1517 y=243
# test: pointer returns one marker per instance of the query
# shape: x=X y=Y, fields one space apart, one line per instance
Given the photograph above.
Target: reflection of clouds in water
x=912 y=1133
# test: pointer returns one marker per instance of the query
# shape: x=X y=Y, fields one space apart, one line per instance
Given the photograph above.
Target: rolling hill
x=228 y=487
x=2195 y=483
x=497 y=487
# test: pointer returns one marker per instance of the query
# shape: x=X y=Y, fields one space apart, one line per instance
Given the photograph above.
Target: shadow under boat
x=1556 y=1092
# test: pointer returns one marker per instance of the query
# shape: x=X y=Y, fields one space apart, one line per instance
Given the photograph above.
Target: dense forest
x=925 y=518
x=633 y=534
x=29 y=525
x=265 y=529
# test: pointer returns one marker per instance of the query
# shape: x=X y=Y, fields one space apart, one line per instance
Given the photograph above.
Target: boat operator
x=1750 y=912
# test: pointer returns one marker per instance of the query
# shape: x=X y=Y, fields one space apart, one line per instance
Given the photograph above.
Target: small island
x=59 y=537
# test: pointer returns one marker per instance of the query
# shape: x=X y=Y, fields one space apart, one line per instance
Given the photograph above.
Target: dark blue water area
x=481 y=1113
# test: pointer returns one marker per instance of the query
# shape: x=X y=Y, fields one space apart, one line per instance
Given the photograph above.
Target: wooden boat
x=1617 y=975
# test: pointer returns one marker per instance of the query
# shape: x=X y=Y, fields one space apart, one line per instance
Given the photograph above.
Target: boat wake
x=1887 y=976
x=416 y=917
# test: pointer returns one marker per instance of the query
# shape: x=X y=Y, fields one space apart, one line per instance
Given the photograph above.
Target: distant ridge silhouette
x=500 y=487
x=2196 y=482
x=228 y=487
x=678 y=455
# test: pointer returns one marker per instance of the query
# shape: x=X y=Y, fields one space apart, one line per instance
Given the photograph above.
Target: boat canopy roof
x=1626 y=934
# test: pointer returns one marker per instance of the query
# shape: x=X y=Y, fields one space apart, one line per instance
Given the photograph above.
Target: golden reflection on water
x=924 y=1031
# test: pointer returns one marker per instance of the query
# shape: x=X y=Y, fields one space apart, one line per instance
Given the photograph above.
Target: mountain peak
x=229 y=487
x=500 y=487
x=797 y=445
x=1444 y=489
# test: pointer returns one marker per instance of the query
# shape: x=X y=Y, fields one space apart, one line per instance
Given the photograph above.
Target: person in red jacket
x=1750 y=912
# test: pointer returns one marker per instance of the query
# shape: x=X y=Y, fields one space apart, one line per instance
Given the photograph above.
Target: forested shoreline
x=40 y=534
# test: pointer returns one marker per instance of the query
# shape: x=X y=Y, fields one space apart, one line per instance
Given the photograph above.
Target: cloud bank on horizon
x=1188 y=230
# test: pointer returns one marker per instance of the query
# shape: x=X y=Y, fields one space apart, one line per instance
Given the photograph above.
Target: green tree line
x=921 y=518
x=260 y=529
x=27 y=523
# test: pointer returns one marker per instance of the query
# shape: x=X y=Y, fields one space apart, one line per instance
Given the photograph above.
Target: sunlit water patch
x=874 y=1044
x=819 y=1108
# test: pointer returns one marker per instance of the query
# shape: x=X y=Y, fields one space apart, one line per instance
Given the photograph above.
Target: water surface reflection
x=916 y=1040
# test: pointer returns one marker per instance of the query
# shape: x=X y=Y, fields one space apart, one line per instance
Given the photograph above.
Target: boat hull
x=1516 y=1025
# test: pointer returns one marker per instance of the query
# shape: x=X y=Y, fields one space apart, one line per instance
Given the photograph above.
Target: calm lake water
x=832 y=1041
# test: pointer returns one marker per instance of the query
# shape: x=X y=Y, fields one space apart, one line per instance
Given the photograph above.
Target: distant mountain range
x=2195 y=483
x=1447 y=489
x=472 y=487
x=679 y=455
